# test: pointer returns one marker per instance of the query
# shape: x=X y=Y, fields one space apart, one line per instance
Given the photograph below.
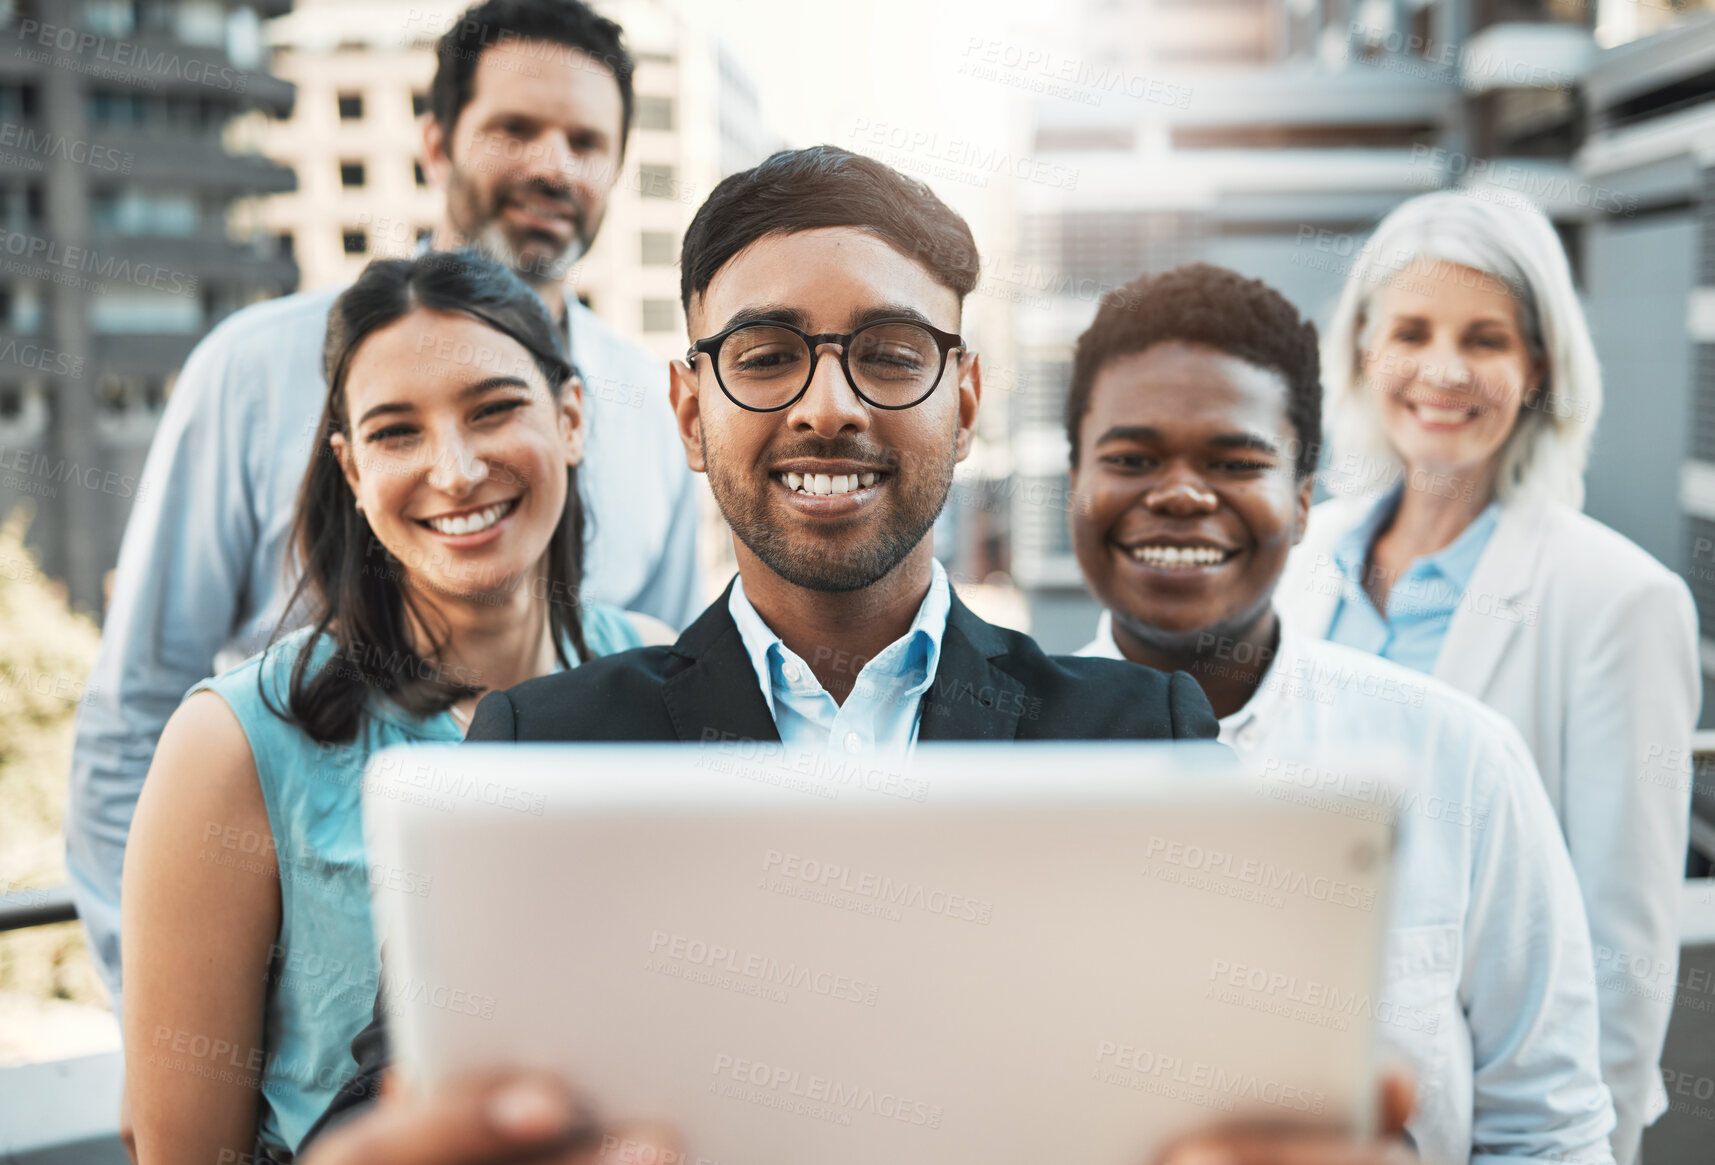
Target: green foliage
x=46 y=651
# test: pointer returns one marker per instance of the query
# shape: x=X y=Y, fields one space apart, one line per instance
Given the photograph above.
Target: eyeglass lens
x=764 y=366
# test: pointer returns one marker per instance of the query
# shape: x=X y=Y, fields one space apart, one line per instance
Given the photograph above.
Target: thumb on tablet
x=475 y=1120
x=1398 y=1098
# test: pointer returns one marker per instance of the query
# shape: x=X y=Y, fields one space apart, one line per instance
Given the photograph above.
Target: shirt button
x=854 y=742
x=790 y=670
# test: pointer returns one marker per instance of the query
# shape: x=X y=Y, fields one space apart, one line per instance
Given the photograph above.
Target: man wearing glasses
x=828 y=402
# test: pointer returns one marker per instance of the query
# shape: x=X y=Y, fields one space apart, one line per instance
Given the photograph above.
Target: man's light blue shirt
x=881 y=714
x=1423 y=599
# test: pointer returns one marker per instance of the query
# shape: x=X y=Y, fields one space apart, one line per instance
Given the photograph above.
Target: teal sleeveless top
x=323 y=971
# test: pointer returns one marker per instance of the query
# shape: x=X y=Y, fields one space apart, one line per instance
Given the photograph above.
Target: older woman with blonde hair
x=1464 y=390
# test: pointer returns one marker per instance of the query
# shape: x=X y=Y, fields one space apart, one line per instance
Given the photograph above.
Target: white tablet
x=1005 y=954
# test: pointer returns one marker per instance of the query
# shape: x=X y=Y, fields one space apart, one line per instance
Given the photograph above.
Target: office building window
x=20 y=208
x=351 y=106
x=656 y=180
x=140 y=310
x=356 y=242
x=175 y=114
x=23 y=412
x=419 y=104
x=417 y=174
x=110 y=17
x=659 y=249
x=654 y=112
x=286 y=245
x=350 y=174
x=660 y=315
x=144 y=213
x=17 y=101
x=119 y=394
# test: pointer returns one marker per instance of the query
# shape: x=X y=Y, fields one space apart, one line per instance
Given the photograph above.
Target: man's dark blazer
x=991 y=684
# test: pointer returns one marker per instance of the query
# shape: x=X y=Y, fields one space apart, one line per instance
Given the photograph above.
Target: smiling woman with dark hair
x=440 y=535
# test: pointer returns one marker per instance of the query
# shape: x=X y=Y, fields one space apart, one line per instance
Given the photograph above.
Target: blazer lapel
x=717 y=697
x=1310 y=588
x=1491 y=610
x=971 y=698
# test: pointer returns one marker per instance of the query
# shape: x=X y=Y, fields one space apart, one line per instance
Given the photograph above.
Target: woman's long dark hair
x=357 y=593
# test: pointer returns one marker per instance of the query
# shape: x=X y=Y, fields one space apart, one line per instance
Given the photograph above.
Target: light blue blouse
x=324 y=970
x=1423 y=599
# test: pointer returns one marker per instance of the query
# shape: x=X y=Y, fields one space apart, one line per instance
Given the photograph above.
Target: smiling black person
x=828 y=395
x=1193 y=414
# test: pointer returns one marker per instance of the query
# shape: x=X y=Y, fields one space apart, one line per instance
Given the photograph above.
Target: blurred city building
x=1650 y=275
x=119 y=161
x=362 y=69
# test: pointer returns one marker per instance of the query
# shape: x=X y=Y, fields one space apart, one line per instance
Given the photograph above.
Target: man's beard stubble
x=819 y=566
x=477 y=221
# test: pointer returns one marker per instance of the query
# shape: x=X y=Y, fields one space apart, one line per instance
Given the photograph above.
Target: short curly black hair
x=1199 y=303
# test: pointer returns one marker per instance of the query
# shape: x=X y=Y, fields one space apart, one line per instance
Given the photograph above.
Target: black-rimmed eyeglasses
x=765 y=365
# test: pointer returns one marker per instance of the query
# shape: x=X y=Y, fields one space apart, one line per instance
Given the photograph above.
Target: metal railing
x=40 y=906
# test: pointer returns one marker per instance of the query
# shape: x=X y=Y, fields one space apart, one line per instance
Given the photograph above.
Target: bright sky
x=883 y=77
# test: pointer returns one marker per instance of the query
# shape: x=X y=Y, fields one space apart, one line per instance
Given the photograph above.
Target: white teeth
x=826 y=485
x=472 y=523
x=1439 y=416
x=1179 y=557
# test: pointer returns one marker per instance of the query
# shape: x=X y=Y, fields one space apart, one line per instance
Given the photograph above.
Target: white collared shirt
x=881 y=713
x=1488 y=991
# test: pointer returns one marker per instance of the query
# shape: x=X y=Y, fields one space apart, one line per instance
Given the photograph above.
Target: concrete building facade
x=121 y=154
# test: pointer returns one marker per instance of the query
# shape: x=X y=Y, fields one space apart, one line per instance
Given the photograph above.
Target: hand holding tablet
x=531 y=1118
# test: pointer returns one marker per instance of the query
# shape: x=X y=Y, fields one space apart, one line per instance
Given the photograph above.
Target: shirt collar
x=1269 y=692
x=1103 y=645
x=1265 y=701
x=1353 y=547
x=1455 y=562
x=916 y=654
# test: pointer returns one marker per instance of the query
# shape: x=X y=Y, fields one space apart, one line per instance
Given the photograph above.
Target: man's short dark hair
x=1198 y=303
x=570 y=23
x=825 y=186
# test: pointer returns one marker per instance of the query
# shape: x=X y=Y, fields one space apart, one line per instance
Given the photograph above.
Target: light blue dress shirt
x=1486 y=985
x=1423 y=599
x=881 y=714
x=203 y=576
